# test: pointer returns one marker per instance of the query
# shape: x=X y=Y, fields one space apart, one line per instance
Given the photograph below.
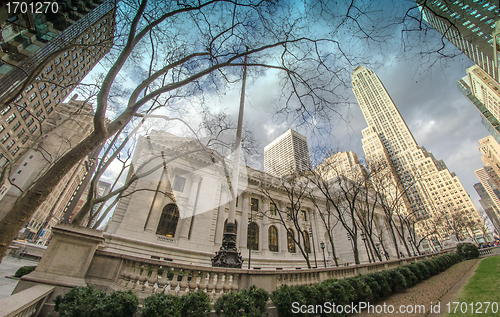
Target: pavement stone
x=8 y=267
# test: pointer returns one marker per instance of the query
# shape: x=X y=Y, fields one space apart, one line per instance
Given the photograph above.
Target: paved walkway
x=8 y=267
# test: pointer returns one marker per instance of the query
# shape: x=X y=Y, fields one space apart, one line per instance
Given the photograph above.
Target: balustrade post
x=174 y=282
x=184 y=282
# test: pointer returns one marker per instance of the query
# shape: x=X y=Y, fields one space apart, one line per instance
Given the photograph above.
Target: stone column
x=282 y=240
x=221 y=217
x=157 y=208
x=189 y=210
x=245 y=209
x=264 y=234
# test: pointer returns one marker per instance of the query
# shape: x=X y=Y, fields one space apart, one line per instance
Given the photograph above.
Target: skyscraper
x=467 y=24
x=432 y=192
x=69 y=41
x=342 y=164
x=287 y=154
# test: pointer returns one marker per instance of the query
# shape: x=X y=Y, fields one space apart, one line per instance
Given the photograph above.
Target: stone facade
x=196 y=185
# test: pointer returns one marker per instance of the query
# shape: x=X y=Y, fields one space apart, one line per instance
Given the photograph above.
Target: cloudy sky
x=423 y=88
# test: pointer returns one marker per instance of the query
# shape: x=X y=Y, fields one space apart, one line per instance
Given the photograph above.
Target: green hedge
x=360 y=288
x=467 y=251
x=24 y=270
x=249 y=303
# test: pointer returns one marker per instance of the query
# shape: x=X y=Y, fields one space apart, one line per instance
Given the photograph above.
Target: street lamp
x=322 y=245
x=363 y=237
x=314 y=246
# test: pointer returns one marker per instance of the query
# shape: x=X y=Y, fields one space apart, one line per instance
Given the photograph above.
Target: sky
x=423 y=88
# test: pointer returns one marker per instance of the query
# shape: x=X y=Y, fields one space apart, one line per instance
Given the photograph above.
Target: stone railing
x=148 y=276
x=489 y=251
x=26 y=303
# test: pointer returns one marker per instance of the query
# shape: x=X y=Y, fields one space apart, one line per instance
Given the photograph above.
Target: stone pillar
x=160 y=201
x=221 y=217
x=189 y=212
x=245 y=209
x=264 y=234
x=282 y=240
x=66 y=259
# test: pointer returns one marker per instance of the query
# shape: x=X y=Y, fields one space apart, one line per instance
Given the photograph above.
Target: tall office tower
x=489 y=192
x=287 y=154
x=490 y=149
x=490 y=121
x=85 y=28
x=489 y=206
x=469 y=25
x=342 y=164
x=432 y=192
x=72 y=122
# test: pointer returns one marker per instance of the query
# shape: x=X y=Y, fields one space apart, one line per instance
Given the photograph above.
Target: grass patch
x=482 y=288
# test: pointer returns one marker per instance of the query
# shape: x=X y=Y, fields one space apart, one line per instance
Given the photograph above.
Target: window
x=179 y=183
x=48 y=70
x=253 y=236
x=5 y=138
x=254 y=204
x=307 y=244
x=29 y=88
x=32 y=130
x=16 y=126
x=273 y=239
x=24 y=140
x=29 y=123
x=168 y=221
x=53 y=87
x=44 y=95
x=74 y=56
x=57 y=61
x=303 y=213
x=290 y=241
x=21 y=133
x=11 y=143
x=37 y=103
x=66 y=64
x=5 y=110
x=16 y=149
x=2 y=128
x=50 y=110
x=11 y=118
x=272 y=209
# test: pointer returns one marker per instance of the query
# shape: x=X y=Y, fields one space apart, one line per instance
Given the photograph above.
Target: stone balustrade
x=148 y=276
x=489 y=251
x=26 y=303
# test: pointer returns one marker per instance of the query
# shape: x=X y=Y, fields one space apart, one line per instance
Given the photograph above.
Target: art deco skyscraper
x=432 y=192
x=287 y=154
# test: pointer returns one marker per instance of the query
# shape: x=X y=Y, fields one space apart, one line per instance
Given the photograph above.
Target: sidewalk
x=8 y=267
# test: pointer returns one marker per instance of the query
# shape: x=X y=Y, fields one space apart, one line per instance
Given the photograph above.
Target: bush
x=161 y=305
x=283 y=298
x=91 y=302
x=195 y=304
x=410 y=278
x=398 y=281
x=385 y=287
x=374 y=286
x=415 y=269
x=361 y=290
x=249 y=303
x=24 y=270
x=423 y=269
x=467 y=251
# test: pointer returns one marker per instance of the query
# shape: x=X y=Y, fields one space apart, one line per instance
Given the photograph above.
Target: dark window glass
x=291 y=243
x=253 y=236
x=273 y=239
x=168 y=221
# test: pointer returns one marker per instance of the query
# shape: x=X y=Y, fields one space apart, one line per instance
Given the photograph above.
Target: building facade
x=469 y=25
x=70 y=124
x=85 y=28
x=178 y=211
x=432 y=192
x=287 y=154
x=342 y=164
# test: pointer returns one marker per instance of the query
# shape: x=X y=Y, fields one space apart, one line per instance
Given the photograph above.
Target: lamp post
x=314 y=247
x=228 y=254
x=322 y=245
x=249 y=246
x=363 y=237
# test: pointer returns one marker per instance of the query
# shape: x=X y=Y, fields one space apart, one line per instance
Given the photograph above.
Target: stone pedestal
x=67 y=257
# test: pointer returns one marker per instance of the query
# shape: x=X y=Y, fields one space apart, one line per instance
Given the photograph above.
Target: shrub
x=433 y=269
x=24 y=270
x=161 y=305
x=195 y=304
x=385 y=287
x=398 y=281
x=423 y=269
x=283 y=298
x=91 y=302
x=249 y=303
x=362 y=291
x=415 y=269
x=410 y=278
x=374 y=286
x=467 y=251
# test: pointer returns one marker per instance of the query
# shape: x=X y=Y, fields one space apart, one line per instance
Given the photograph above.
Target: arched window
x=273 y=239
x=253 y=236
x=168 y=221
x=307 y=244
x=291 y=243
